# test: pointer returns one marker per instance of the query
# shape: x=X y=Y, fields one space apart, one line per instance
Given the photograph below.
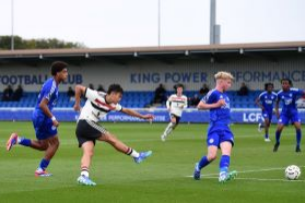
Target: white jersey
x=96 y=106
x=176 y=104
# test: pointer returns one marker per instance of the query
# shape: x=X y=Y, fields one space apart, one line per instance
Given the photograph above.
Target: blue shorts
x=43 y=126
x=267 y=115
x=216 y=137
x=285 y=118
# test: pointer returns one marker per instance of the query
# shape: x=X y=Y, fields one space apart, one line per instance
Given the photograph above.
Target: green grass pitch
x=164 y=177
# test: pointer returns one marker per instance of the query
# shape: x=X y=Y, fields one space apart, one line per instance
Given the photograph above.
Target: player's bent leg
x=34 y=144
x=41 y=145
x=261 y=124
x=224 y=174
x=204 y=161
x=53 y=144
x=267 y=125
x=88 y=152
x=52 y=148
x=113 y=141
x=298 y=136
x=212 y=153
x=174 y=122
x=11 y=141
x=170 y=127
x=123 y=148
x=278 y=132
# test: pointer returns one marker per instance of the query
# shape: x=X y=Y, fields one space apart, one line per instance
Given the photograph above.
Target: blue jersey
x=219 y=117
x=289 y=99
x=267 y=100
x=43 y=125
x=49 y=91
x=219 y=130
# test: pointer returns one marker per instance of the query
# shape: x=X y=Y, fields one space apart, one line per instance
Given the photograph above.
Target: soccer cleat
x=197 y=171
x=224 y=177
x=276 y=147
x=11 y=141
x=259 y=129
x=267 y=139
x=297 y=149
x=142 y=156
x=83 y=180
x=163 y=138
x=232 y=175
x=42 y=173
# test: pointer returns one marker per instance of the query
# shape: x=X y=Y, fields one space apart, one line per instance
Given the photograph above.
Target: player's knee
x=280 y=128
x=212 y=157
x=43 y=147
x=55 y=143
x=89 y=153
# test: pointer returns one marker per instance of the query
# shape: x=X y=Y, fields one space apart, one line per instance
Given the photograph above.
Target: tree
x=19 y=43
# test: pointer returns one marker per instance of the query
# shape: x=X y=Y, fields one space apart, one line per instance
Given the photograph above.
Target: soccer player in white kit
x=88 y=130
x=175 y=104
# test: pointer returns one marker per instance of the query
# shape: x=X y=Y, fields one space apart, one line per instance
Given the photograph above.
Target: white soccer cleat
x=163 y=138
x=267 y=139
x=83 y=180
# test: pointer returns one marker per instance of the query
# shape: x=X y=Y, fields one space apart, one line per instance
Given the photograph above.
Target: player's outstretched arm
x=79 y=91
x=204 y=106
x=136 y=114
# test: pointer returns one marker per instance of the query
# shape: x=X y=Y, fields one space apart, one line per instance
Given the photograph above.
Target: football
x=292 y=172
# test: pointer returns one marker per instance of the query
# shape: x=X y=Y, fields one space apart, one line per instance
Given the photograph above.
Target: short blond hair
x=223 y=75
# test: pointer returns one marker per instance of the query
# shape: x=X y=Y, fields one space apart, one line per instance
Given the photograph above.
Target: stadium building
x=141 y=70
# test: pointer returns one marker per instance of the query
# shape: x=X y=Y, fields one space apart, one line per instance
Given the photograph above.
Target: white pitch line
x=215 y=175
x=263 y=179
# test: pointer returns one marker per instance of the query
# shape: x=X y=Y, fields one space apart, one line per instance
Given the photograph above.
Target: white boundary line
x=263 y=179
x=215 y=175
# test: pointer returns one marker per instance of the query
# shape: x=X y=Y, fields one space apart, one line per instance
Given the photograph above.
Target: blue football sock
x=224 y=163
x=278 y=136
x=298 y=136
x=44 y=164
x=266 y=136
x=203 y=162
x=24 y=141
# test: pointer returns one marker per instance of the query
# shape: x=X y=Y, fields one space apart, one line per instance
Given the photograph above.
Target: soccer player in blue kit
x=44 y=122
x=288 y=95
x=266 y=102
x=219 y=134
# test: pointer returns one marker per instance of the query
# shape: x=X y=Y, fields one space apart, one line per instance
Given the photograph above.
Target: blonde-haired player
x=175 y=105
x=219 y=135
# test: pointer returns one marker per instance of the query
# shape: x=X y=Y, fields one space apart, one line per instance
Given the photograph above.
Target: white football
x=292 y=172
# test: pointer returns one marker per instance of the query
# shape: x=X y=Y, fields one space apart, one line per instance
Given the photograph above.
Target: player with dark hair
x=44 y=122
x=88 y=130
x=175 y=105
x=266 y=102
x=288 y=95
